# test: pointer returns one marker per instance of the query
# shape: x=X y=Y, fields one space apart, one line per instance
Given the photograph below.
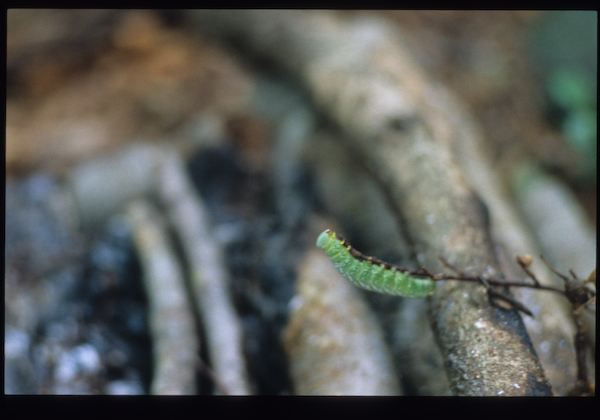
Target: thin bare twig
x=525 y=261
x=515 y=303
x=576 y=291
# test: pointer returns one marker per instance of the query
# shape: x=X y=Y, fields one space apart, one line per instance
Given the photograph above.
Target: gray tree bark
x=362 y=81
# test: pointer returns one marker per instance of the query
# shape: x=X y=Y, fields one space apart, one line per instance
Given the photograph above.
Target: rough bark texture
x=109 y=184
x=552 y=325
x=171 y=318
x=367 y=85
x=209 y=278
x=444 y=217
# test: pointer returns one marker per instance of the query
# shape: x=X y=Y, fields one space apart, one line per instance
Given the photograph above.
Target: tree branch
x=369 y=87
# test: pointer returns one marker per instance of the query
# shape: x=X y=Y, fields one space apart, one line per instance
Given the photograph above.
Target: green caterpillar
x=369 y=272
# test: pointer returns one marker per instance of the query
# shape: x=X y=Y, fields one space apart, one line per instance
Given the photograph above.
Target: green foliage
x=565 y=45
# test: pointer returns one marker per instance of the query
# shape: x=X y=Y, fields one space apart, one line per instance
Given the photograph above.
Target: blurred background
x=94 y=96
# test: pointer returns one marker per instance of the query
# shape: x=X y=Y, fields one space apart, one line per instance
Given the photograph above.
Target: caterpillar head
x=324 y=238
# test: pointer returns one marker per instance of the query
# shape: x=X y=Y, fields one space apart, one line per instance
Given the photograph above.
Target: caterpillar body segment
x=369 y=272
